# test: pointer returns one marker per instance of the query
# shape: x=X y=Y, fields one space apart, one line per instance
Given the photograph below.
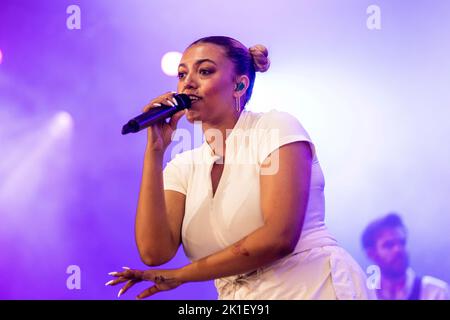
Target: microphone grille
x=184 y=102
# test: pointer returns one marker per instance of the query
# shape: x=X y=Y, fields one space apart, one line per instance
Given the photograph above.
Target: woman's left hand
x=163 y=280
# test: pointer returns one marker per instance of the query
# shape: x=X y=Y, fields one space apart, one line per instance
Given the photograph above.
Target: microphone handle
x=160 y=113
x=152 y=116
x=157 y=114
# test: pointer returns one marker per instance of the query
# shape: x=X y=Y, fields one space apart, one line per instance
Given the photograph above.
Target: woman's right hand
x=159 y=135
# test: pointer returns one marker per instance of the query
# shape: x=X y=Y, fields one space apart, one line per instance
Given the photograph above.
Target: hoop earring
x=238 y=104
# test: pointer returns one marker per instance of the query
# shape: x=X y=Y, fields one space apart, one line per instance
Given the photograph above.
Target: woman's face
x=205 y=72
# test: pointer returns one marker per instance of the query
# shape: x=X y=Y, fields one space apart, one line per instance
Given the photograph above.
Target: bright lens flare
x=169 y=63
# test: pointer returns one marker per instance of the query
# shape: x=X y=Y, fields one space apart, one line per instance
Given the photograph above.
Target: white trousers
x=322 y=273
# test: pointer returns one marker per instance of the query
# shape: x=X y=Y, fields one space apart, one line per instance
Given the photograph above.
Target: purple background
x=376 y=103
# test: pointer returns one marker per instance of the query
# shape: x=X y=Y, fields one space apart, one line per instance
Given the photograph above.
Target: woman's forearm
x=254 y=251
x=153 y=236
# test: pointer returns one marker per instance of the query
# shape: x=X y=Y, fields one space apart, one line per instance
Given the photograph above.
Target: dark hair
x=372 y=231
x=240 y=56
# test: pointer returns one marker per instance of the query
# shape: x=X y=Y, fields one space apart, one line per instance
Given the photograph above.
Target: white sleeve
x=278 y=129
x=176 y=174
x=434 y=289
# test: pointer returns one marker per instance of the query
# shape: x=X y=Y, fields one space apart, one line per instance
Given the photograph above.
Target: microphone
x=157 y=114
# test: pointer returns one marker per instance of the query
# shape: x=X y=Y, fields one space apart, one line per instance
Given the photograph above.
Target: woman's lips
x=194 y=101
x=193 y=97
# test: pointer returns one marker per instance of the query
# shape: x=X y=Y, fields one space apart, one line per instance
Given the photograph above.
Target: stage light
x=62 y=123
x=36 y=161
x=1 y=56
x=169 y=63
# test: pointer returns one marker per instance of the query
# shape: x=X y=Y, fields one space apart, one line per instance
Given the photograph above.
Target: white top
x=431 y=288
x=211 y=224
x=434 y=289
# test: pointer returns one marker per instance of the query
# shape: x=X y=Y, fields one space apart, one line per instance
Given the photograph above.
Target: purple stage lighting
x=62 y=123
x=169 y=63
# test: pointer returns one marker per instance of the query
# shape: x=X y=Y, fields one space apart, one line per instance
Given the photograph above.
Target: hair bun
x=260 y=57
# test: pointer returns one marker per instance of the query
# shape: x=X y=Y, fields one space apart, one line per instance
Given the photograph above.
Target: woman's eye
x=180 y=75
x=205 y=72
